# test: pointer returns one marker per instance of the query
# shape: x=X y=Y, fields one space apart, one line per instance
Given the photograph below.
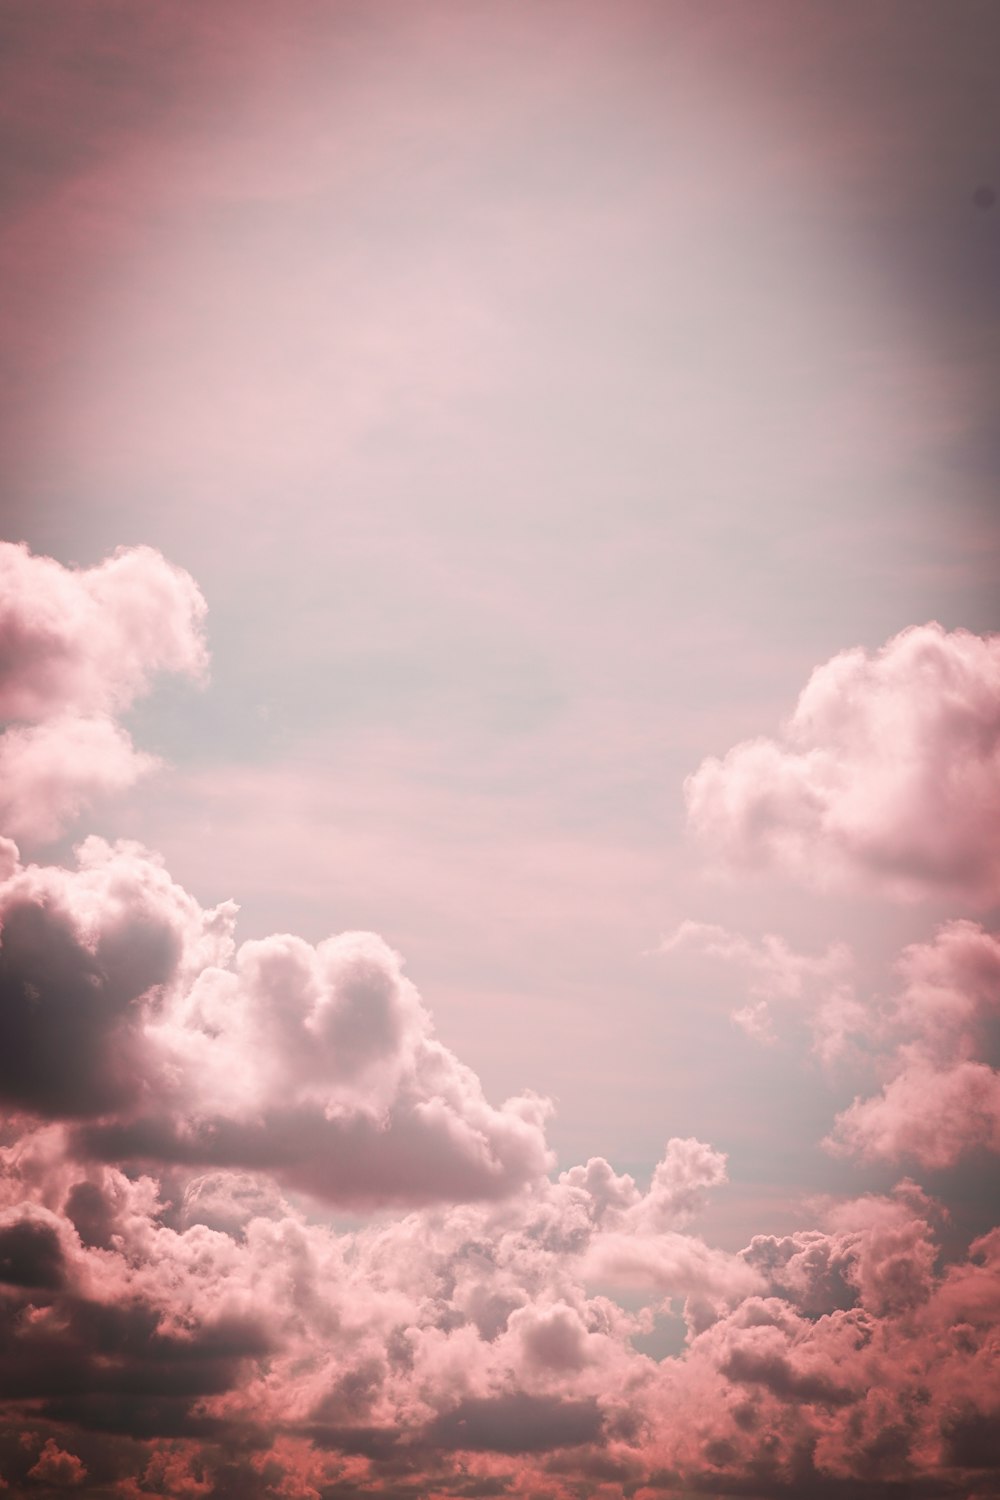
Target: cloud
x=89 y=640
x=50 y=772
x=77 y=646
x=779 y=973
x=320 y=1065
x=31 y=1253
x=933 y=1115
x=177 y=1317
x=120 y=1006
x=465 y=1340
x=939 y=1101
x=517 y=1424
x=878 y=1252
x=889 y=767
x=681 y=1181
x=84 y=956
x=675 y=1265
x=58 y=1468
x=859 y=1394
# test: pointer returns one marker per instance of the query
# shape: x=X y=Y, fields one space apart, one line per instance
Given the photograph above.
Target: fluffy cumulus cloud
x=182 y=1315
x=77 y=646
x=126 y=1011
x=889 y=766
x=88 y=640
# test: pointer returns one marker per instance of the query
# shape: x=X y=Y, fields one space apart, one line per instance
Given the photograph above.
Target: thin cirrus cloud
x=888 y=769
x=181 y=1318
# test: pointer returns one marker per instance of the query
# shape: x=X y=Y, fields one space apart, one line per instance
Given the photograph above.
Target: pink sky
x=500 y=747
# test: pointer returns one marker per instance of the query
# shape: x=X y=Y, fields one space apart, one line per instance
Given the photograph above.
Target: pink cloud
x=877 y=1383
x=889 y=767
x=938 y=1102
x=89 y=640
x=84 y=952
x=467 y=1336
x=77 y=646
x=58 y=1468
x=674 y=1265
x=681 y=1181
x=778 y=972
x=50 y=772
x=876 y=1251
x=934 y=1115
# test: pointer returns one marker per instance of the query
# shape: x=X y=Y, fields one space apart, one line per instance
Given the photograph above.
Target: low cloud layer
x=479 y=1348
x=888 y=768
x=181 y=1316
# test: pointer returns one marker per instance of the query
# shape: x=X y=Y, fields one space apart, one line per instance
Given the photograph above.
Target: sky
x=500 y=749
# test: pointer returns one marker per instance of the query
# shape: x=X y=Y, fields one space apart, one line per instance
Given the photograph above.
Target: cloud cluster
x=889 y=767
x=179 y=1317
x=124 y=1008
x=479 y=1348
x=77 y=646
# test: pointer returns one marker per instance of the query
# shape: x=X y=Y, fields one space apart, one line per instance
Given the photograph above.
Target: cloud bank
x=181 y=1316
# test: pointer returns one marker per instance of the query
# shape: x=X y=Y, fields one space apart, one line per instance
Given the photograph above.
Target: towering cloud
x=888 y=767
